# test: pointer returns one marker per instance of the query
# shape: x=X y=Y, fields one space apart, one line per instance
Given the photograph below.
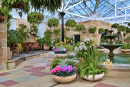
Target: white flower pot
x=97 y=77
x=64 y=79
x=125 y=50
x=61 y=55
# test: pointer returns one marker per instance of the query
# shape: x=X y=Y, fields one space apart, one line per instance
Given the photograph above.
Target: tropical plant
x=35 y=17
x=115 y=25
x=22 y=5
x=70 y=23
x=14 y=37
x=80 y=27
x=53 y=22
x=34 y=30
x=92 y=66
x=92 y=29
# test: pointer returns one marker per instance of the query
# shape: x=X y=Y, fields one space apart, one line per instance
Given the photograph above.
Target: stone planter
x=61 y=55
x=125 y=50
x=101 y=50
x=97 y=77
x=64 y=79
x=46 y=48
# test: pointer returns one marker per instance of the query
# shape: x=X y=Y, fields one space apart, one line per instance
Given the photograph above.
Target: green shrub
x=126 y=46
x=101 y=29
x=80 y=27
x=57 y=31
x=70 y=23
x=53 y=22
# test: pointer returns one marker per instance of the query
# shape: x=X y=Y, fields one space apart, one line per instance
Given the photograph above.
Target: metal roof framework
x=111 y=11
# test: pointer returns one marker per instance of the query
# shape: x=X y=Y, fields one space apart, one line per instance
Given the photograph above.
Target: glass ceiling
x=103 y=10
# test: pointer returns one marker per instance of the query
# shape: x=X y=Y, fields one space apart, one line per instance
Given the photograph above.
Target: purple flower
x=64 y=69
x=56 y=50
x=69 y=68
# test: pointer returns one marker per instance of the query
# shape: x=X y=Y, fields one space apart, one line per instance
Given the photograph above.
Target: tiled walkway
x=35 y=73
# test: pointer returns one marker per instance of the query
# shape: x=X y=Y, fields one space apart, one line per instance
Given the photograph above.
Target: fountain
x=110 y=45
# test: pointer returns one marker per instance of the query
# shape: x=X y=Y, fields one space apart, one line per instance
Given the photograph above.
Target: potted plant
x=115 y=25
x=119 y=29
x=35 y=17
x=22 y=5
x=127 y=29
x=123 y=28
x=80 y=28
x=92 y=69
x=61 y=52
x=124 y=34
x=92 y=29
x=101 y=30
x=50 y=5
x=57 y=32
x=70 y=23
x=66 y=29
x=53 y=22
x=3 y=14
x=63 y=70
x=128 y=24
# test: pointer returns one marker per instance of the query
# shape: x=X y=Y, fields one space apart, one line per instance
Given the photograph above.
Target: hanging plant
x=3 y=14
x=101 y=30
x=53 y=22
x=92 y=29
x=70 y=23
x=33 y=30
x=115 y=25
x=124 y=34
x=57 y=32
x=119 y=29
x=22 y=5
x=35 y=17
x=66 y=29
x=50 y=5
x=127 y=29
x=128 y=24
x=80 y=28
x=123 y=28
x=9 y=17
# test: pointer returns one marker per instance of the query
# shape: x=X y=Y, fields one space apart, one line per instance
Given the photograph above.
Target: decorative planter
x=61 y=55
x=97 y=77
x=2 y=18
x=64 y=79
x=46 y=47
x=125 y=50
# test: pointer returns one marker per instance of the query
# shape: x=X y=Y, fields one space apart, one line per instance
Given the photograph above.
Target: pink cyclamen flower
x=56 y=50
x=64 y=69
x=53 y=71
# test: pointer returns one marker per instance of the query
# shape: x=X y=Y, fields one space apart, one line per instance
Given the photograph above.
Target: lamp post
x=62 y=18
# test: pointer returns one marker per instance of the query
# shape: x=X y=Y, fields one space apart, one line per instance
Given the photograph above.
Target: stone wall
x=3 y=45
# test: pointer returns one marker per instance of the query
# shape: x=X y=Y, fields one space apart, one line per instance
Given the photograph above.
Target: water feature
x=110 y=45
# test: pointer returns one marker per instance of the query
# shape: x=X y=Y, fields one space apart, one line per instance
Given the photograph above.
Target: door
x=76 y=38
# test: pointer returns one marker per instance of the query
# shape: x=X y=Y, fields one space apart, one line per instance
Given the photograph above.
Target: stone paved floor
x=35 y=73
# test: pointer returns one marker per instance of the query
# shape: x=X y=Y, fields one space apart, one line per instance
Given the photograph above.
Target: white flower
x=51 y=54
x=84 y=47
x=81 y=47
x=87 y=39
x=76 y=48
x=82 y=43
x=53 y=48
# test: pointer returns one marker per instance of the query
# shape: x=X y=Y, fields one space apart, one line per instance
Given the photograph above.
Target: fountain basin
x=110 y=36
x=111 y=46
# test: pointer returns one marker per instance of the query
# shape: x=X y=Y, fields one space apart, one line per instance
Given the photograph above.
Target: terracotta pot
x=64 y=79
x=61 y=55
x=2 y=18
x=92 y=31
x=99 y=32
x=97 y=77
x=46 y=47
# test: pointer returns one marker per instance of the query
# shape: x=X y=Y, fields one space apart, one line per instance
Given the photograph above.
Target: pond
x=119 y=59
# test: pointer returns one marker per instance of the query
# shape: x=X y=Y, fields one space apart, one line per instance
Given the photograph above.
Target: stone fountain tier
x=111 y=47
x=110 y=36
